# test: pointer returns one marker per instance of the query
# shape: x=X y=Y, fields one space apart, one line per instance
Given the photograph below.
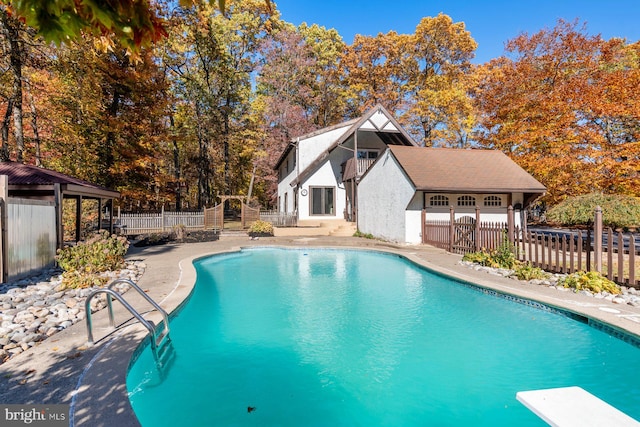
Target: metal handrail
x=165 y=316
x=112 y=293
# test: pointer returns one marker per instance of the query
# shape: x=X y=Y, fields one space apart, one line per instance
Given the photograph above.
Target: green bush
x=502 y=257
x=83 y=262
x=525 y=271
x=359 y=233
x=618 y=211
x=482 y=258
x=591 y=281
x=261 y=227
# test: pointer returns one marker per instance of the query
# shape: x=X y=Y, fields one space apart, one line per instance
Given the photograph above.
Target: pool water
x=277 y=337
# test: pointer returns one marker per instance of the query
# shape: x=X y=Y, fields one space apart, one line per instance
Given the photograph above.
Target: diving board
x=573 y=407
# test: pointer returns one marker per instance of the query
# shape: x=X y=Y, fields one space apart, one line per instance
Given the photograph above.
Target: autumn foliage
x=561 y=106
x=200 y=98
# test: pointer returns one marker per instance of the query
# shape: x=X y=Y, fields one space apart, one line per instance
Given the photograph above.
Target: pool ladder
x=161 y=346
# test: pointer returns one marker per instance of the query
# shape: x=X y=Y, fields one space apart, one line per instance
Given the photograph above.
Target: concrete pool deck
x=63 y=369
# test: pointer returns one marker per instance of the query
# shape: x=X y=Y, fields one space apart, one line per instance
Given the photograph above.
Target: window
x=439 y=200
x=493 y=201
x=367 y=154
x=466 y=201
x=322 y=200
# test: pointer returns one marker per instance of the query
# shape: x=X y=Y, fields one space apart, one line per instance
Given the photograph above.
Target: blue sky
x=491 y=23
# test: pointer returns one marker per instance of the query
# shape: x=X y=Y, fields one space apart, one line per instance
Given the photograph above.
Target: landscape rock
x=33 y=309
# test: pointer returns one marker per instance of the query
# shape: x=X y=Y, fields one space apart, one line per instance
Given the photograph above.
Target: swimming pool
x=356 y=338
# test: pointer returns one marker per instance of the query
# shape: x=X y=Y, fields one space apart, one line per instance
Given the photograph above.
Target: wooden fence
x=142 y=223
x=280 y=219
x=613 y=254
x=207 y=219
x=466 y=234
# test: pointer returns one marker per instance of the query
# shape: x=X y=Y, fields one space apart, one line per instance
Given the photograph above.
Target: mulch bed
x=164 y=238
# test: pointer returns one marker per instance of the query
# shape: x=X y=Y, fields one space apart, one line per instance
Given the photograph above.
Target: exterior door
x=322 y=200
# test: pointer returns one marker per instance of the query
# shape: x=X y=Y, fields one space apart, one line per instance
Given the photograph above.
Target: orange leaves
x=424 y=76
x=562 y=107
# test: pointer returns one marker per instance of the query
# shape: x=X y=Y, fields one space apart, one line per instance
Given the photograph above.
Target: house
x=371 y=172
x=318 y=173
x=405 y=180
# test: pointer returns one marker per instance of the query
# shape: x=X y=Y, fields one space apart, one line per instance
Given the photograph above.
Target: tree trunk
x=10 y=28
x=106 y=154
x=4 y=151
x=34 y=123
x=176 y=164
x=203 y=164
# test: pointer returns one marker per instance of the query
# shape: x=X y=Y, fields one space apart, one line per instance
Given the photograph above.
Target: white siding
x=383 y=197
x=311 y=148
x=328 y=174
x=284 y=182
x=413 y=218
x=306 y=152
x=487 y=213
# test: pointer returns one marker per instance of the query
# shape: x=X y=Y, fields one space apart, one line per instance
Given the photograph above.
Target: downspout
x=356 y=179
x=297 y=190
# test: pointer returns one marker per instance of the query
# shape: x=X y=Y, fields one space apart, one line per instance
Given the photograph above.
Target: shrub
x=482 y=258
x=525 y=271
x=502 y=257
x=591 y=281
x=617 y=210
x=83 y=262
x=359 y=233
x=261 y=227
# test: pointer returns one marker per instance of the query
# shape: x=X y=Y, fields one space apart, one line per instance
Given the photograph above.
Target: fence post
x=4 y=194
x=510 y=224
x=478 y=237
x=588 y=249
x=423 y=224
x=597 y=239
x=452 y=222
x=162 y=217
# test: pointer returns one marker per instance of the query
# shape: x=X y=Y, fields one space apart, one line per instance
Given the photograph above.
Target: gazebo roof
x=27 y=179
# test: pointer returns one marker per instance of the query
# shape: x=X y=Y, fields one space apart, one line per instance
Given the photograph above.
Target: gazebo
x=32 y=182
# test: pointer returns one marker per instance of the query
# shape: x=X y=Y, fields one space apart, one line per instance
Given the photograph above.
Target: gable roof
x=292 y=143
x=25 y=178
x=460 y=170
x=377 y=120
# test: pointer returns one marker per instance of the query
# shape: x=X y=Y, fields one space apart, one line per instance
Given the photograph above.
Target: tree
x=423 y=78
x=329 y=93
x=559 y=109
x=375 y=70
x=212 y=61
x=11 y=29
x=441 y=110
x=106 y=118
x=286 y=96
x=133 y=23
